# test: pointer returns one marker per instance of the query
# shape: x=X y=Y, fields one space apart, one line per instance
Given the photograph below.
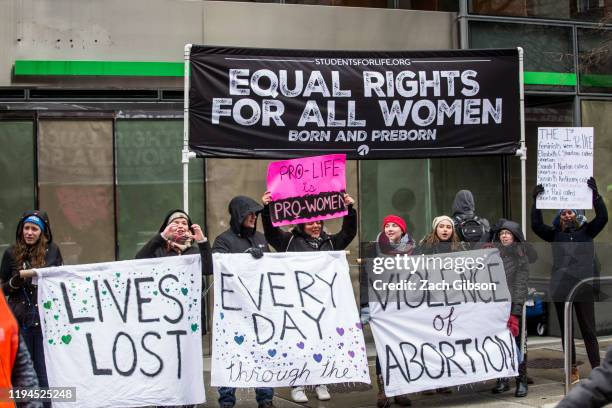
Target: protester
x=34 y=248
x=573 y=260
x=179 y=236
x=17 y=368
x=442 y=239
x=469 y=227
x=596 y=391
x=309 y=236
x=392 y=240
x=242 y=236
x=516 y=255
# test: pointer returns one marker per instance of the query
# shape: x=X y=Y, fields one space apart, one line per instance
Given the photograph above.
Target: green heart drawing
x=85 y=301
x=56 y=317
x=47 y=304
x=66 y=339
x=194 y=327
x=184 y=291
x=77 y=327
x=50 y=341
x=104 y=292
x=154 y=293
x=88 y=278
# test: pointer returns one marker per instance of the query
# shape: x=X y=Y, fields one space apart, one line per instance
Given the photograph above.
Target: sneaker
x=322 y=393
x=575 y=377
x=298 y=394
x=265 y=404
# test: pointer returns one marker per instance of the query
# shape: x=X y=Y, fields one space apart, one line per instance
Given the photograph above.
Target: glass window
x=595 y=59
x=75 y=174
x=585 y=10
x=549 y=59
x=17 y=169
x=540 y=111
x=429 y=5
x=598 y=114
x=419 y=190
x=150 y=180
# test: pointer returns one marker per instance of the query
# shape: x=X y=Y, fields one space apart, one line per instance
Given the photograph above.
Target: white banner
x=565 y=163
x=434 y=328
x=125 y=334
x=286 y=319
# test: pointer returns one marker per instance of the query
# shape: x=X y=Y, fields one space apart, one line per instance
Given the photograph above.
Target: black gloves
x=593 y=186
x=537 y=190
x=255 y=252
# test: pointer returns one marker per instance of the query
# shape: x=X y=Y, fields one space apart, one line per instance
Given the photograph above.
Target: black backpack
x=471 y=229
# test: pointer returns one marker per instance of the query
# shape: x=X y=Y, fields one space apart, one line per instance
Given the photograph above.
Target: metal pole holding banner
x=522 y=154
x=185 y=153
x=568 y=331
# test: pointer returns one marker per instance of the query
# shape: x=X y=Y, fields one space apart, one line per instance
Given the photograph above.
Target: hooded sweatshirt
x=516 y=258
x=464 y=208
x=157 y=246
x=238 y=239
x=22 y=295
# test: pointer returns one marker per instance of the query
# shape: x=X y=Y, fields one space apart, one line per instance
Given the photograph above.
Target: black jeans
x=585 y=312
x=33 y=338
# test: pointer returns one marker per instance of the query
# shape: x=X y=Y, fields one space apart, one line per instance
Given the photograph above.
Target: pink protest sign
x=307 y=189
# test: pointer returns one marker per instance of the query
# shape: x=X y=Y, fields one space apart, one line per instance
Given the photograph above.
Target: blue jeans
x=227 y=395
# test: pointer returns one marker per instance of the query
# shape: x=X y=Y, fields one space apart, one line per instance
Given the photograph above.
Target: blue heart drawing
x=300 y=344
x=272 y=352
x=317 y=357
x=222 y=315
x=284 y=354
x=239 y=339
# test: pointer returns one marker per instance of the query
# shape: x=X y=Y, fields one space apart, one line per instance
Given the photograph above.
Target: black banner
x=266 y=103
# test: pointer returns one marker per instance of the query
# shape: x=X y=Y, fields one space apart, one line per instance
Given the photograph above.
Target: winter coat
x=297 y=240
x=17 y=369
x=573 y=252
x=516 y=258
x=156 y=247
x=237 y=239
x=594 y=392
x=464 y=208
x=22 y=295
x=380 y=248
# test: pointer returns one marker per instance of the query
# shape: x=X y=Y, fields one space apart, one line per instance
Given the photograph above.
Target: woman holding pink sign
x=309 y=236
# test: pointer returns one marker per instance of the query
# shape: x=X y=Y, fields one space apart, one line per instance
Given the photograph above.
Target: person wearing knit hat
x=393 y=240
x=574 y=259
x=442 y=238
x=33 y=248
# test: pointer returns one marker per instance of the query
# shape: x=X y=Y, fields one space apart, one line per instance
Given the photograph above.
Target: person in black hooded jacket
x=516 y=255
x=34 y=248
x=574 y=259
x=470 y=228
x=242 y=236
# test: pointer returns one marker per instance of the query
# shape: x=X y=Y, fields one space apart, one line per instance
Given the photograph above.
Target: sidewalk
x=545 y=366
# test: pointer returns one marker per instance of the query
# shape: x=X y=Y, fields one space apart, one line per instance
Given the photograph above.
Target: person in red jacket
x=16 y=368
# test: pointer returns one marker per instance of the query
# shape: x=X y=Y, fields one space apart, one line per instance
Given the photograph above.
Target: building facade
x=91 y=107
